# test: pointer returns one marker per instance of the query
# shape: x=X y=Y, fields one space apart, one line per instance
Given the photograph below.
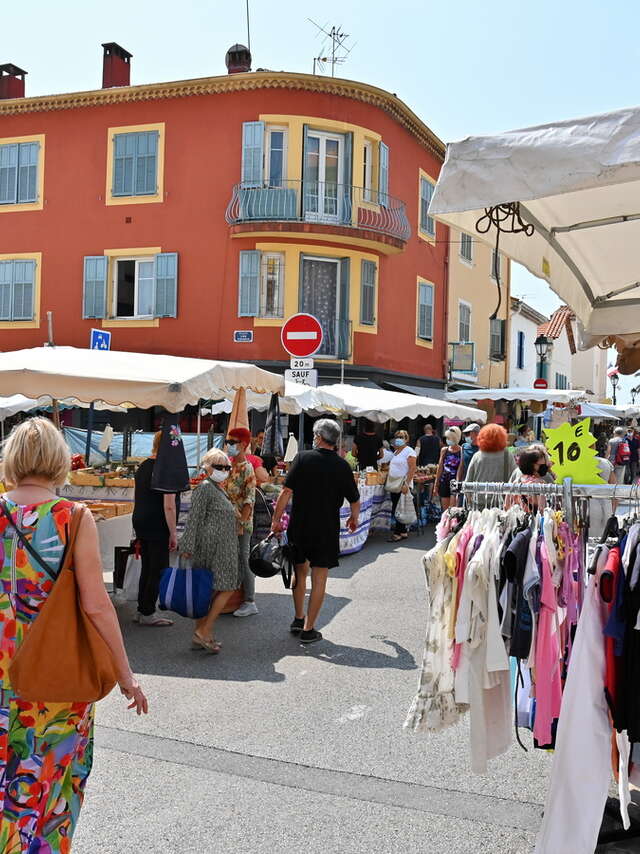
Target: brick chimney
x=238 y=59
x=116 y=66
x=11 y=81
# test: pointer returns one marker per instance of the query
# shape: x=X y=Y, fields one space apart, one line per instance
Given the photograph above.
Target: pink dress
x=547 y=657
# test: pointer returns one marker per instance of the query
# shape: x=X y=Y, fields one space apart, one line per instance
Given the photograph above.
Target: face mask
x=219 y=476
x=451 y=441
x=398 y=442
x=233 y=451
x=543 y=469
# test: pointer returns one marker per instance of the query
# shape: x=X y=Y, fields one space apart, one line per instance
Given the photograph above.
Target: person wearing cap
x=448 y=466
x=469 y=448
x=241 y=489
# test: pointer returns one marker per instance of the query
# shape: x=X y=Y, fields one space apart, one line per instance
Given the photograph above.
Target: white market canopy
x=380 y=405
x=600 y=410
x=115 y=377
x=578 y=184
x=19 y=403
x=296 y=398
x=552 y=395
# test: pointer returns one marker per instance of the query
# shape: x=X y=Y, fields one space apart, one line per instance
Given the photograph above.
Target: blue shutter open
x=8 y=174
x=344 y=321
x=383 y=174
x=166 y=303
x=249 y=284
x=252 y=153
x=94 y=297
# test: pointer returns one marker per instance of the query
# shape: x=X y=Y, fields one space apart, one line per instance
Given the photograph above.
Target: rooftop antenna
x=248 y=29
x=338 y=53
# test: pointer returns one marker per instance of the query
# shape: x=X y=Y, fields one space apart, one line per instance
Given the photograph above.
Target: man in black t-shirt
x=367 y=447
x=318 y=482
x=428 y=447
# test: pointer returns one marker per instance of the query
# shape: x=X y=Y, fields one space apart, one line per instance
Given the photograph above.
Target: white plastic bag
x=405 y=511
x=132 y=578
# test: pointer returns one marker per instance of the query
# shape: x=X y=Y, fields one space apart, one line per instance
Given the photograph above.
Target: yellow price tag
x=570 y=447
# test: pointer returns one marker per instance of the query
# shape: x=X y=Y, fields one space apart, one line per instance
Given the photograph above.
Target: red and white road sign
x=540 y=383
x=301 y=335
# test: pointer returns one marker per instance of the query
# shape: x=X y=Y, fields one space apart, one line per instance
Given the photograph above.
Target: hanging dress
x=45 y=748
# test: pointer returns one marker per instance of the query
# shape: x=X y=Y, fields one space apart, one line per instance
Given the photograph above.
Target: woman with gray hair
x=318 y=482
x=210 y=540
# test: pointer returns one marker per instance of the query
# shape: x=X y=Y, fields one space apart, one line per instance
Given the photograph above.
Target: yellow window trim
x=421 y=342
x=26 y=324
x=110 y=199
x=422 y=235
x=113 y=255
x=292 y=252
x=39 y=203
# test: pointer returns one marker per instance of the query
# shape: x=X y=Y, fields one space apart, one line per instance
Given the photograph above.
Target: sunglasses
x=232 y=441
x=221 y=468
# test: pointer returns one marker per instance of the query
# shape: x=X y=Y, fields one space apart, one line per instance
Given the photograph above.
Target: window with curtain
x=272 y=284
x=466 y=247
x=425 y=311
x=464 y=322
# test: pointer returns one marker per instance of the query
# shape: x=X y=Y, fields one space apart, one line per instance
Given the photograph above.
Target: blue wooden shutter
x=252 y=153
x=124 y=151
x=6 y=281
x=425 y=311
x=249 y=284
x=166 y=284
x=94 y=298
x=347 y=179
x=23 y=282
x=520 y=356
x=383 y=174
x=427 y=223
x=146 y=163
x=368 y=293
x=8 y=174
x=27 y=171
x=344 y=324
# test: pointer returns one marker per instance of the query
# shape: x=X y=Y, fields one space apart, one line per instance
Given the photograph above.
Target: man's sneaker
x=297 y=626
x=154 y=620
x=312 y=636
x=247 y=609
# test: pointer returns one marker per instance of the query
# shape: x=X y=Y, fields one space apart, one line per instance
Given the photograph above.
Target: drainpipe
x=445 y=361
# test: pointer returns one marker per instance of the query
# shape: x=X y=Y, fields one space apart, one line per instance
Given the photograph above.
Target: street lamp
x=633 y=392
x=542 y=345
x=615 y=379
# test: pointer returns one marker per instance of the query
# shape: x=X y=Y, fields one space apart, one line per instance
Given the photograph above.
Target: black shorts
x=318 y=554
x=444 y=488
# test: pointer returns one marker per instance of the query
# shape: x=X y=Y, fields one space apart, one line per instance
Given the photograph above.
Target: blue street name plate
x=243 y=336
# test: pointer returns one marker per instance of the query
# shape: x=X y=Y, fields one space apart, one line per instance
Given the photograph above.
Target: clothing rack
x=567 y=490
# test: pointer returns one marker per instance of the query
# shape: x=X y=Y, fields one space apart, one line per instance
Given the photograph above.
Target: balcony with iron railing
x=329 y=206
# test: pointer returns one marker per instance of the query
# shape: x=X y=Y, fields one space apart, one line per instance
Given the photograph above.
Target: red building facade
x=176 y=215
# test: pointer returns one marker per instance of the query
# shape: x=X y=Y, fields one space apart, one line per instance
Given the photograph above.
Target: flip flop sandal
x=209 y=645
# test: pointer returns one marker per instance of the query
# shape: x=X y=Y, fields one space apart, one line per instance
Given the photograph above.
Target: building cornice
x=520 y=307
x=247 y=82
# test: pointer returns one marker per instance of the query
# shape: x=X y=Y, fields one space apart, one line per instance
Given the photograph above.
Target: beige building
x=473 y=297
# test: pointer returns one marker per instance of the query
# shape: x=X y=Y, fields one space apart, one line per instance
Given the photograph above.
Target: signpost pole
x=87 y=452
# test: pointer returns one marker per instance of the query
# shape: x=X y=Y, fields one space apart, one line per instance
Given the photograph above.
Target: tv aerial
x=333 y=49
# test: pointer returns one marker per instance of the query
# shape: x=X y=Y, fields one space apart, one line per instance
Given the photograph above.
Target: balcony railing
x=320 y=202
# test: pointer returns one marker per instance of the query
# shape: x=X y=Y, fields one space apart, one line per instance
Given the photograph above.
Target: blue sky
x=464 y=68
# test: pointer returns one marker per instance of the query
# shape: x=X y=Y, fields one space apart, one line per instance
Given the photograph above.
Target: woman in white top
x=401 y=465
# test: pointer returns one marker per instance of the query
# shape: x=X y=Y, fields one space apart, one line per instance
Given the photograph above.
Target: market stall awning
x=381 y=405
x=295 y=398
x=19 y=403
x=578 y=184
x=599 y=410
x=115 y=377
x=552 y=395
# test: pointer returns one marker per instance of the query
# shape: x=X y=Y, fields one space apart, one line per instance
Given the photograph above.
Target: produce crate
x=122 y=482
x=123 y=507
x=107 y=510
x=86 y=477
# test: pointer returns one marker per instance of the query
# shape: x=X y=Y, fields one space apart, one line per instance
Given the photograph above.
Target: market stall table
x=375 y=515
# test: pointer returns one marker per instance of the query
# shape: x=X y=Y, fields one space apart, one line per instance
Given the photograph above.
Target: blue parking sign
x=100 y=340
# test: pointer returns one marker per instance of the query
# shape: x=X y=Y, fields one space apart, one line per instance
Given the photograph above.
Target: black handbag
x=270 y=557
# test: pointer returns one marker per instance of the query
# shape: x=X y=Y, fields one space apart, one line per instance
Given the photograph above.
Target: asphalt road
x=274 y=747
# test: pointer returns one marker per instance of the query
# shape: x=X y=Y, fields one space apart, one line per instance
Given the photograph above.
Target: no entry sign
x=301 y=335
x=540 y=383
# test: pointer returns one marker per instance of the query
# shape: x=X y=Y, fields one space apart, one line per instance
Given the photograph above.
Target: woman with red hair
x=492 y=463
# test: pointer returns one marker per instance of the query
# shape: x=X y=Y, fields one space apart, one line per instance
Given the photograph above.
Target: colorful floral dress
x=45 y=748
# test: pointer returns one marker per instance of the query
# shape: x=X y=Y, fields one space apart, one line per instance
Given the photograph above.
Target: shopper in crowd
x=241 y=489
x=601 y=509
x=367 y=446
x=548 y=477
x=47 y=747
x=317 y=484
x=402 y=468
x=154 y=522
x=511 y=442
x=533 y=466
x=210 y=540
x=448 y=466
x=523 y=436
x=428 y=447
x=618 y=453
x=469 y=448
x=387 y=453
x=634 y=446
x=492 y=463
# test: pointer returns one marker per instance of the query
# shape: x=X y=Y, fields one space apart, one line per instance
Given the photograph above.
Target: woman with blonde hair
x=211 y=541
x=46 y=747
